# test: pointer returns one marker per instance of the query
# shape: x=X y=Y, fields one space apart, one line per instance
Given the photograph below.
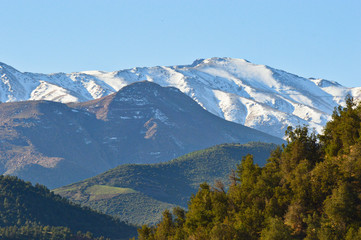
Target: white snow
x=158 y=114
x=154 y=153
x=258 y=96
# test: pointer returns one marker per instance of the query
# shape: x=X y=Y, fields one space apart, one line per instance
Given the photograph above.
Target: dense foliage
x=34 y=212
x=34 y=231
x=309 y=189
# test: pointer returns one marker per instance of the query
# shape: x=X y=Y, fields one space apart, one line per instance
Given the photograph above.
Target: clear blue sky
x=310 y=38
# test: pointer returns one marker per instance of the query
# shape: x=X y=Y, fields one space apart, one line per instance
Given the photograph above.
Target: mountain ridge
x=237 y=90
x=55 y=144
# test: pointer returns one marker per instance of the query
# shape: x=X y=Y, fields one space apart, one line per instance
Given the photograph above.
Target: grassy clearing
x=104 y=189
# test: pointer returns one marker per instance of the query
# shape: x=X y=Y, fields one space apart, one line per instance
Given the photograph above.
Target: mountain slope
x=22 y=203
x=56 y=144
x=47 y=142
x=257 y=96
x=140 y=193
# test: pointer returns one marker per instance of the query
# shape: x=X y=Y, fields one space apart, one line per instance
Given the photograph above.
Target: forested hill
x=309 y=189
x=33 y=212
x=139 y=193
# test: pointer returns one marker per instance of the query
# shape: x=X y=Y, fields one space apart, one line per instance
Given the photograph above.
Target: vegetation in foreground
x=34 y=212
x=309 y=189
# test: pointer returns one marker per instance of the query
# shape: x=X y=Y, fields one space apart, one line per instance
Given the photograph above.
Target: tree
x=341 y=207
x=145 y=233
x=276 y=230
x=302 y=145
x=165 y=228
x=344 y=130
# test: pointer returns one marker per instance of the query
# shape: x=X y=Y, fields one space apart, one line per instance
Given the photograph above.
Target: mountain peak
x=197 y=61
x=4 y=66
x=323 y=83
x=145 y=87
x=235 y=89
x=141 y=85
x=217 y=60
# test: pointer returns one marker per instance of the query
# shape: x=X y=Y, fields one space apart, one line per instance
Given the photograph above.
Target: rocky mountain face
x=56 y=144
x=257 y=96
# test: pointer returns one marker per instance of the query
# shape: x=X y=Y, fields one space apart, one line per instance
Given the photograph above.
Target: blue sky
x=319 y=39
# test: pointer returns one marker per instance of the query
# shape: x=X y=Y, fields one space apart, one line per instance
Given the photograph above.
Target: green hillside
x=34 y=212
x=140 y=193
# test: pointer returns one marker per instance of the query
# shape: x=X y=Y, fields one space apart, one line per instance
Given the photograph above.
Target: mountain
x=257 y=96
x=56 y=144
x=139 y=193
x=24 y=205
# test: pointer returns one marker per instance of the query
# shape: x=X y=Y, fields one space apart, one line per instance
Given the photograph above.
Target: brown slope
x=48 y=142
x=160 y=123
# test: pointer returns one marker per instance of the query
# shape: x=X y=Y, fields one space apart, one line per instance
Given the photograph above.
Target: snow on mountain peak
x=258 y=96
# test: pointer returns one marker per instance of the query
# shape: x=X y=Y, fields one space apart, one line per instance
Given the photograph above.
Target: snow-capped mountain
x=56 y=144
x=257 y=96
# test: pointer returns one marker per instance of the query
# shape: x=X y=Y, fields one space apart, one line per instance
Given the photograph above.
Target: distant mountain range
x=257 y=96
x=139 y=193
x=56 y=144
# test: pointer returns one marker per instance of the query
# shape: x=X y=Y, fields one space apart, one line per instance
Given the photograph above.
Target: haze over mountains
x=257 y=96
x=56 y=144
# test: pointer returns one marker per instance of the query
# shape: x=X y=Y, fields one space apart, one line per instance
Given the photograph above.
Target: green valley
x=139 y=193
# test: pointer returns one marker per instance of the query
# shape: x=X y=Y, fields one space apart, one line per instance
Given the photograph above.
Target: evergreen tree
x=309 y=189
